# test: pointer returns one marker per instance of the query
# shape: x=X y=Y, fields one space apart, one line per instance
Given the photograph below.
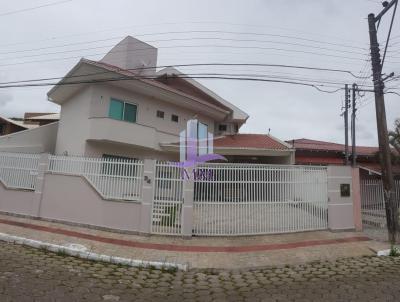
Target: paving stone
x=27 y=274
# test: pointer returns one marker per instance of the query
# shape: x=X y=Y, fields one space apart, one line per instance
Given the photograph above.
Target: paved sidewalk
x=28 y=274
x=224 y=253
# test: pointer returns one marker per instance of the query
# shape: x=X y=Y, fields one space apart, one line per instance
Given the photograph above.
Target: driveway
x=27 y=274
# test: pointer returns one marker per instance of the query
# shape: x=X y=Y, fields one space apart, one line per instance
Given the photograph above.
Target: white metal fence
x=113 y=178
x=373 y=204
x=229 y=199
x=243 y=199
x=18 y=170
x=168 y=199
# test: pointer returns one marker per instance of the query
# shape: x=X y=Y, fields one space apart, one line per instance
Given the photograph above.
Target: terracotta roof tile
x=308 y=160
x=377 y=168
x=251 y=141
x=309 y=144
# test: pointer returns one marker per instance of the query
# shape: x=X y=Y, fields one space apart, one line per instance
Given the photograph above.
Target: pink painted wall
x=357 y=200
x=18 y=201
x=73 y=199
x=340 y=209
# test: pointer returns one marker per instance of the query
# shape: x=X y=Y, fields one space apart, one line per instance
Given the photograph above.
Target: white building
x=121 y=106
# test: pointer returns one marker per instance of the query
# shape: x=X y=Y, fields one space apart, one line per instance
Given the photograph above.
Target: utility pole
x=346 y=124
x=353 y=127
x=392 y=217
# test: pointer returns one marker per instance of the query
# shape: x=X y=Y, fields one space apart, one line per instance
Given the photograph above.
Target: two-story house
x=122 y=106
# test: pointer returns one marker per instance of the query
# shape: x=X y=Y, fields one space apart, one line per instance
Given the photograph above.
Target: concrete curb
x=90 y=255
x=387 y=251
x=383 y=253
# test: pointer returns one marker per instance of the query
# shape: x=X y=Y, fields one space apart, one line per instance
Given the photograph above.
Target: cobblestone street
x=28 y=274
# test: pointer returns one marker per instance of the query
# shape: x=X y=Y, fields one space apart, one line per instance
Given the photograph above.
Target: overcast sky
x=318 y=33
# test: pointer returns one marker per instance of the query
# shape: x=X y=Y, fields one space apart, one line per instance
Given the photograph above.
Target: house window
x=122 y=111
x=174 y=118
x=160 y=114
x=1 y=129
x=202 y=138
x=236 y=128
x=222 y=127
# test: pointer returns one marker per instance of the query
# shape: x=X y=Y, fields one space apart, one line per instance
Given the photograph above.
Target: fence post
x=43 y=167
x=149 y=171
x=187 y=208
x=357 y=199
x=340 y=199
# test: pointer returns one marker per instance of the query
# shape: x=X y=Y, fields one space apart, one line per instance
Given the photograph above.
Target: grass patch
x=394 y=252
x=170 y=270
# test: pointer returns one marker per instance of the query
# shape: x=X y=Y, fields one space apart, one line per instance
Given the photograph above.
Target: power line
x=228 y=32
x=389 y=33
x=195 y=46
x=125 y=78
x=192 y=46
x=194 y=65
x=32 y=8
x=167 y=40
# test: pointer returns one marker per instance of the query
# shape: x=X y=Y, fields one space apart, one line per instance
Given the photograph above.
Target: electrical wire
x=192 y=65
x=125 y=78
x=190 y=32
x=32 y=8
x=168 y=40
x=192 y=46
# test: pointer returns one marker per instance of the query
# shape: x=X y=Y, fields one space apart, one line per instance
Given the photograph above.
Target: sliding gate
x=247 y=199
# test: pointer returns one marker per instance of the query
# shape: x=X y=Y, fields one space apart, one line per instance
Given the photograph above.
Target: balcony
x=107 y=129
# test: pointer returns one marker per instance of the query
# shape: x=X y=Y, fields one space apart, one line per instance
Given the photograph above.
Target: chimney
x=133 y=54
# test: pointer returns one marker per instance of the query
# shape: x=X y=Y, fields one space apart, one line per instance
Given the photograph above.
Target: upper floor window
x=160 y=114
x=222 y=127
x=122 y=111
x=174 y=118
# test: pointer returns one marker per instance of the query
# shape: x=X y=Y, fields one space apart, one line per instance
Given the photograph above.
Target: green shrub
x=394 y=252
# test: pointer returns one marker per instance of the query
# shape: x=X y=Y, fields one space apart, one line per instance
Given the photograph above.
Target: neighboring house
x=29 y=121
x=135 y=117
x=314 y=152
x=41 y=119
x=9 y=126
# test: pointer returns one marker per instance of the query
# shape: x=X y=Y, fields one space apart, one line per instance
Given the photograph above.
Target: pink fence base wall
x=344 y=212
x=357 y=199
x=71 y=199
x=18 y=201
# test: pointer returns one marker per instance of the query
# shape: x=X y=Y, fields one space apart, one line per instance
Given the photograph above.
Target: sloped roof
x=19 y=123
x=52 y=116
x=315 y=145
x=237 y=112
x=250 y=141
x=221 y=108
x=217 y=100
x=319 y=160
x=376 y=168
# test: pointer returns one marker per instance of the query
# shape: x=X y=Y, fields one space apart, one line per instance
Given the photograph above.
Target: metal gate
x=373 y=204
x=247 y=199
x=168 y=199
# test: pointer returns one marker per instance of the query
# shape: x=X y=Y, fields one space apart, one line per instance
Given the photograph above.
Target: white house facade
x=121 y=106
